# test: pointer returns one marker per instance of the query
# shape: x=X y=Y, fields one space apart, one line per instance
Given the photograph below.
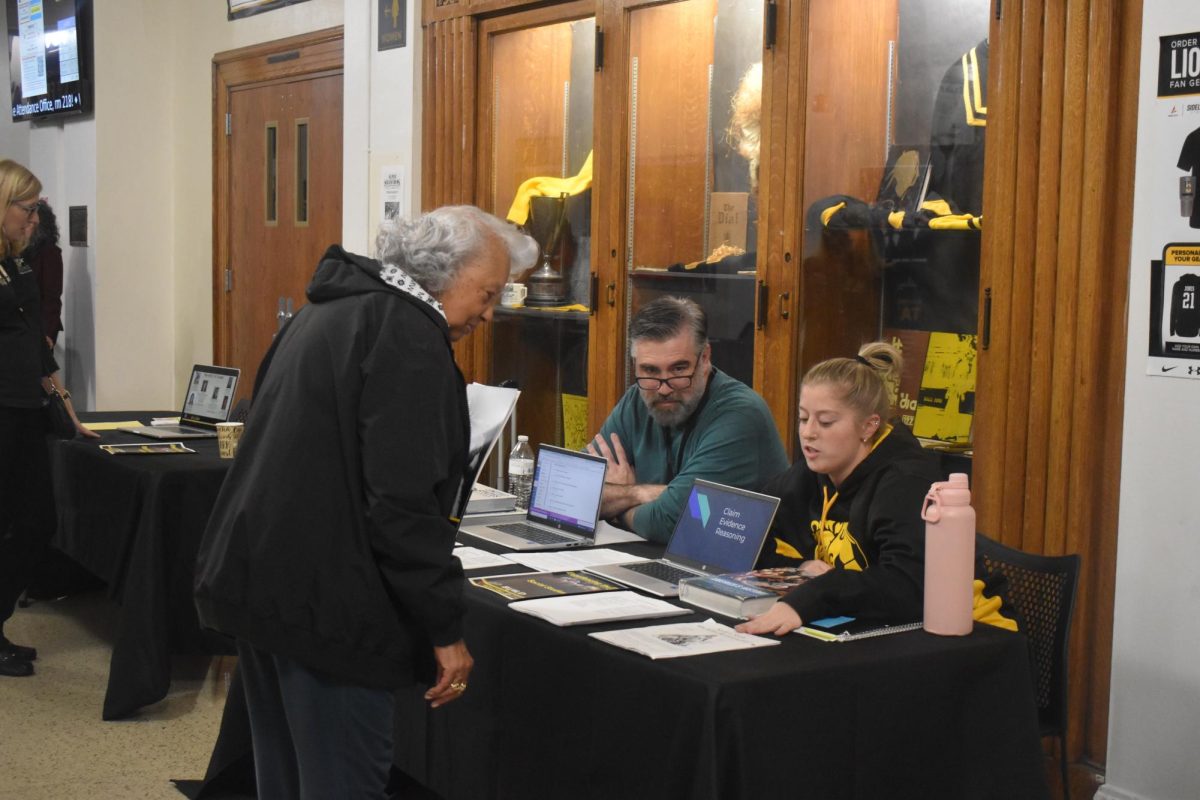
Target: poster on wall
x=246 y=8
x=393 y=193
x=393 y=24
x=1168 y=208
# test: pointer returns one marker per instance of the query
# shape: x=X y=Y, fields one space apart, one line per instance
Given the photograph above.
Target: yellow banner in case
x=946 y=400
x=574 y=416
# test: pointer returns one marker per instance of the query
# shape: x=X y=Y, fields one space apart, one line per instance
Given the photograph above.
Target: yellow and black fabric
x=958 y=132
x=869 y=529
x=842 y=212
x=518 y=212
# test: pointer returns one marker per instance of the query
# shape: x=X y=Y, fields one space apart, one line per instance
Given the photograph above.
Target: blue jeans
x=315 y=737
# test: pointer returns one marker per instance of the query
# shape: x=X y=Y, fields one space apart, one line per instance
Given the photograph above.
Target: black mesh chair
x=1042 y=590
x=241 y=410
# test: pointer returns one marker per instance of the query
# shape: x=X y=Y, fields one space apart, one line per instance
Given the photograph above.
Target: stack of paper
x=683 y=639
x=586 y=609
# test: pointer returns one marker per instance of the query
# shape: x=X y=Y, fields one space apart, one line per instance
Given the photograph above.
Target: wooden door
x=285 y=204
x=277 y=186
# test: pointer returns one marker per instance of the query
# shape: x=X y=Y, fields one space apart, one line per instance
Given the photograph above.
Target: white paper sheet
x=563 y=560
x=584 y=609
x=474 y=558
x=610 y=534
x=683 y=639
x=490 y=408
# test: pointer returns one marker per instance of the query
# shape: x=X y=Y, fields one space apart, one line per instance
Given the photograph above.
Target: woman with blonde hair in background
x=850 y=510
x=27 y=373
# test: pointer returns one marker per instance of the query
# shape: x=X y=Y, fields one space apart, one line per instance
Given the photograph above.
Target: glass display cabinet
x=539 y=100
x=814 y=183
x=692 y=144
x=892 y=182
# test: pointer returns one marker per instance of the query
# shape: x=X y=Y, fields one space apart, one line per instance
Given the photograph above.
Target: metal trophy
x=546 y=218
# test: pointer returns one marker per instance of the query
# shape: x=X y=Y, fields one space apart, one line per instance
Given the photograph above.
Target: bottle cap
x=953 y=492
x=522 y=438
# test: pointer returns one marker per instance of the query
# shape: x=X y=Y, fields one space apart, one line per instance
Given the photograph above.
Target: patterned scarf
x=397 y=278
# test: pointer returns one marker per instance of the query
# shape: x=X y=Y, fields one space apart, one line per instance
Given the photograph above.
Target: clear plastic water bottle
x=520 y=471
x=949 y=557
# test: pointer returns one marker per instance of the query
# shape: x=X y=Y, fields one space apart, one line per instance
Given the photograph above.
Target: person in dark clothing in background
x=328 y=552
x=45 y=257
x=27 y=372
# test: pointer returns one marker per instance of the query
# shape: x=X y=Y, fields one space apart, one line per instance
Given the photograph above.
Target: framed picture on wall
x=246 y=8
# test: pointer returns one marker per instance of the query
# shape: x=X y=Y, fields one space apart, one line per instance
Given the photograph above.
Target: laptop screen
x=722 y=529
x=210 y=392
x=567 y=486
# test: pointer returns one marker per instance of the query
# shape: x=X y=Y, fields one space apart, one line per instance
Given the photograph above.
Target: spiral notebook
x=849 y=629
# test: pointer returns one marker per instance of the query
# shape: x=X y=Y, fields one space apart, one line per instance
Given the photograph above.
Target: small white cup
x=514 y=295
x=228 y=435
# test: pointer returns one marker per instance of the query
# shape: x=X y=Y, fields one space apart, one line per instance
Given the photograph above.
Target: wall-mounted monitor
x=50 y=57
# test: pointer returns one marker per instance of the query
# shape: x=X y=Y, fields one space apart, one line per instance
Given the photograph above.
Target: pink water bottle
x=949 y=557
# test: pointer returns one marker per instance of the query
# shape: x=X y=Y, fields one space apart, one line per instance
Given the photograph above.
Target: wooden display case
x=844 y=82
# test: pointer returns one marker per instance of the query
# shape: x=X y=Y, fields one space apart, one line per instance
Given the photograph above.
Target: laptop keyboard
x=532 y=533
x=660 y=570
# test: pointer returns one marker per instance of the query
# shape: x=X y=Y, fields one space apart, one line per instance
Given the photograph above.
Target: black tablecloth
x=135 y=521
x=551 y=712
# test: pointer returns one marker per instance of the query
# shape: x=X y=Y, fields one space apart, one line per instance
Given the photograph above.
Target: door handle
x=784 y=298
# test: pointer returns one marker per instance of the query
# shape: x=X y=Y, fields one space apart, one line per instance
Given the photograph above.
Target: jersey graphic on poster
x=1175 y=312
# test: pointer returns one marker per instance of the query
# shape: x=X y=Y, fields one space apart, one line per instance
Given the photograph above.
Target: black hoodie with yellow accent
x=870 y=531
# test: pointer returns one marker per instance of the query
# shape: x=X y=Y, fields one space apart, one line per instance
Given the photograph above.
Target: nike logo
x=1168 y=369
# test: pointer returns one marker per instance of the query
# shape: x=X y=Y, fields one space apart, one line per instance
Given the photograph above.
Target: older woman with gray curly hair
x=328 y=553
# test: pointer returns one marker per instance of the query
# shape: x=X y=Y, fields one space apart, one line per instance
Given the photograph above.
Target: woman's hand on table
x=779 y=619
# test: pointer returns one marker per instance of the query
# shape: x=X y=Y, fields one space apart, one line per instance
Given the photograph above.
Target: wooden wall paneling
x=1126 y=20
x=780 y=227
x=1049 y=418
x=1098 y=407
x=1057 y=260
x=455 y=132
x=672 y=120
x=995 y=275
x=606 y=328
x=428 y=117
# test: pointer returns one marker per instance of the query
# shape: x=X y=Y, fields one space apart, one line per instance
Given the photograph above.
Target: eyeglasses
x=30 y=209
x=675 y=382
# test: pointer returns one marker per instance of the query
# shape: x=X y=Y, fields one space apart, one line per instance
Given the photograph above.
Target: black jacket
x=24 y=357
x=331 y=539
x=880 y=551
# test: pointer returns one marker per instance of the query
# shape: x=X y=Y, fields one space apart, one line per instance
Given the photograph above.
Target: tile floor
x=53 y=744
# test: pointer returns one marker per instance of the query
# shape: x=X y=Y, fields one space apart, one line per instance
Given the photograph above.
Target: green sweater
x=731 y=439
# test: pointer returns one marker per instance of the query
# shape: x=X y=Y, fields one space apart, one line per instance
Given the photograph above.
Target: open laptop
x=564 y=504
x=722 y=530
x=207 y=401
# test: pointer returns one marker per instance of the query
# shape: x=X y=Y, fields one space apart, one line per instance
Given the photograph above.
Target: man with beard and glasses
x=682 y=419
